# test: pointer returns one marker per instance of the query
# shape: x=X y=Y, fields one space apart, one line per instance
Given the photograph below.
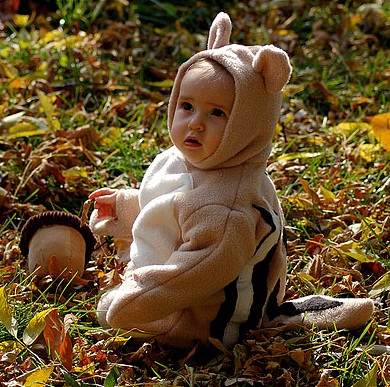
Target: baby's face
x=203 y=110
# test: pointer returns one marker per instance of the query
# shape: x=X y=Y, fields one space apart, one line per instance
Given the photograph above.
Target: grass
x=99 y=75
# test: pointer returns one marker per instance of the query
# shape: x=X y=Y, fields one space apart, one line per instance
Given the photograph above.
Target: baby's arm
x=207 y=261
x=115 y=212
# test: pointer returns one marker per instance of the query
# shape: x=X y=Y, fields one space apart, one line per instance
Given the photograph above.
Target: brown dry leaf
x=328 y=95
x=314 y=267
x=217 y=344
x=279 y=349
x=57 y=271
x=312 y=194
x=109 y=280
x=286 y=378
x=84 y=216
x=57 y=339
x=326 y=380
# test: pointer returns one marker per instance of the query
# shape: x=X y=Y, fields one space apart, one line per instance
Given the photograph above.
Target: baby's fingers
x=102 y=192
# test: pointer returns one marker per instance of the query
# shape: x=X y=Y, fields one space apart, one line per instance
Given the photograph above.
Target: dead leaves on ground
x=338 y=227
x=47 y=322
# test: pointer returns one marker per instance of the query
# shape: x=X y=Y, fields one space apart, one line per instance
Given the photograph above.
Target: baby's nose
x=197 y=122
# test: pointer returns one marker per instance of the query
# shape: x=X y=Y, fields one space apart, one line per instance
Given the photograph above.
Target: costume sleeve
x=217 y=242
x=127 y=210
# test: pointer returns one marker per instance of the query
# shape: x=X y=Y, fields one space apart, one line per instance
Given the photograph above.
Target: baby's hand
x=105 y=202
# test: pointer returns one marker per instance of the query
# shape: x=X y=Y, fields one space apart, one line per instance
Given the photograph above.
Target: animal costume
x=208 y=255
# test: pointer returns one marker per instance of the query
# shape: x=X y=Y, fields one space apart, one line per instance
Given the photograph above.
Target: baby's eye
x=187 y=106
x=218 y=113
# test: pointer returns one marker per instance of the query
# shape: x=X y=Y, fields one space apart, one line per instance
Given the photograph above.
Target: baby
x=205 y=232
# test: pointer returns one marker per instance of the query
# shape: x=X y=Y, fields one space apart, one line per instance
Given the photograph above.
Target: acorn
x=56 y=234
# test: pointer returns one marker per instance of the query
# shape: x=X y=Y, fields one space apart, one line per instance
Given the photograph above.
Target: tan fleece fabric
x=259 y=73
x=220 y=231
x=222 y=268
x=351 y=313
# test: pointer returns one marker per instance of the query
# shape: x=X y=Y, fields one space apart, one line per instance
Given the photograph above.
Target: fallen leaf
x=57 y=339
x=298 y=356
x=6 y=316
x=21 y=20
x=329 y=195
x=49 y=110
x=381 y=285
x=35 y=327
x=9 y=350
x=38 y=377
x=381 y=128
x=299 y=155
x=312 y=194
x=57 y=271
x=369 y=379
x=235 y=381
x=347 y=128
x=368 y=152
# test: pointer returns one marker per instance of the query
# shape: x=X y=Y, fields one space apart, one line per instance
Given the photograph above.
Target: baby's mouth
x=192 y=142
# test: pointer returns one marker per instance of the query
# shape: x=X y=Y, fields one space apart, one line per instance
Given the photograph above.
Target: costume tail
x=324 y=312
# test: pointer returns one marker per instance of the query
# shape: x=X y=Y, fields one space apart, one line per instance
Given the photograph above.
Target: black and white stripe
x=246 y=296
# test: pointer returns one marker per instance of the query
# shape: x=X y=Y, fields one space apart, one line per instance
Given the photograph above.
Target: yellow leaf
x=358 y=255
x=22 y=127
x=347 y=128
x=35 y=327
x=87 y=368
x=74 y=173
x=11 y=120
x=48 y=109
x=9 y=345
x=278 y=129
x=284 y=32
x=301 y=202
x=293 y=89
x=46 y=104
x=26 y=129
x=369 y=227
x=299 y=155
x=4 y=53
x=17 y=83
x=21 y=20
x=111 y=135
x=9 y=350
x=39 y=377
x=334 y=232
x=381 y=128
x=6 y=317
x=306 y=277
x=353 y=250
x=368 y=152
x=50 y=36
x=166 y=83
x=328 y=194
x=10 y=71
x=381 y=285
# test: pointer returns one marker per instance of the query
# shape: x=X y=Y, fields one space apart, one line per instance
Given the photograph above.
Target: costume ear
x=275 y=66
x=220 y=31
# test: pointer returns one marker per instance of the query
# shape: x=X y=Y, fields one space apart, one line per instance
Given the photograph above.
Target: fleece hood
x=259 y=74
